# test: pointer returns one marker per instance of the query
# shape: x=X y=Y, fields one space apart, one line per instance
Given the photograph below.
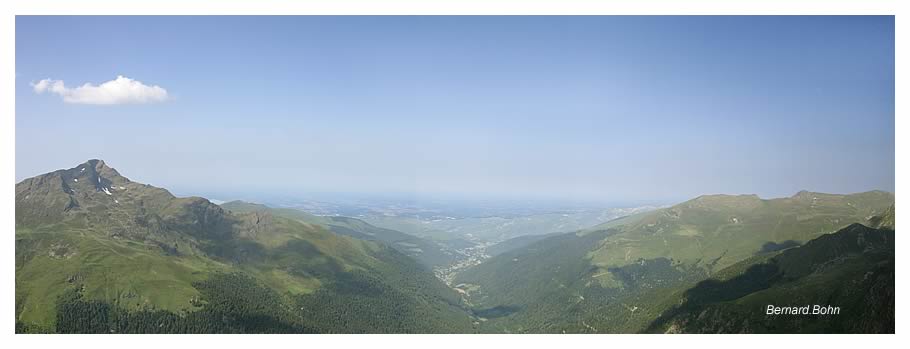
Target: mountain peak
x=54 y=196
x=97 y=166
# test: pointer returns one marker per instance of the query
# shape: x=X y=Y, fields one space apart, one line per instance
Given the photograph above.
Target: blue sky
x=586 y=108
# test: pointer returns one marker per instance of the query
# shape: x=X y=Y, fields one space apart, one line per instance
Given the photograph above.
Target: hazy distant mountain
x=96 y=252
x=501 y=228
x=613 y=278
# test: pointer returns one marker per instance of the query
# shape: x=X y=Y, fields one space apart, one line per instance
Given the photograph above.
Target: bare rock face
x=61 y=251
x=884 y=220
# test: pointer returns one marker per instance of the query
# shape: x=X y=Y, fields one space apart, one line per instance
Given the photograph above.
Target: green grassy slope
x=885 y=220
x=515 y=243
x=91 y=244
x=425 y=251
x=612 y=278
x=716 y=231
x=852 y=270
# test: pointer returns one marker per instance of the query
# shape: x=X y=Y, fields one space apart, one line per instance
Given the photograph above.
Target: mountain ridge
x=851 y=270
x=93 y=248
x=121 y=244
x=621 y=260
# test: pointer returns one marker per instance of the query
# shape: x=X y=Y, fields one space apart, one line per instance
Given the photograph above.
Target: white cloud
x=121 y=90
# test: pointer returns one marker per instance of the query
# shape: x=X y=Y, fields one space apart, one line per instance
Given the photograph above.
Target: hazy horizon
x=564 y=108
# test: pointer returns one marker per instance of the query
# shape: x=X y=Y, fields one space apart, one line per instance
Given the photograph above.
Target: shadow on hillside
x=496 y=312
x=756 y=277
x=772 y=246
